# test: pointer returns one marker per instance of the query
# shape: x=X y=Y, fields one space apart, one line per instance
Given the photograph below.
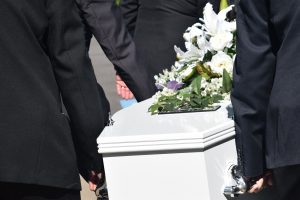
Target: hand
x=122 y=89
x=261 y=183
x=94 y=180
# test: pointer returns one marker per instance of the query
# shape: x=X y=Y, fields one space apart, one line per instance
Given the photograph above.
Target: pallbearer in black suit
x=43 y=60
x=266 y=93
x=103 y=19
x=158 y=25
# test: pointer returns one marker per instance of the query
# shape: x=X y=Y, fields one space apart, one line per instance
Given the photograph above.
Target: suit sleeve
x=252 y=83
x=104 y=19
x=77 y=82
x=129 y=10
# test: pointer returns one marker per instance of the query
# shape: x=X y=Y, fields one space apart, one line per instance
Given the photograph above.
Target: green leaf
x=154 y=109
x=186 y=96
x=206 y=72
x=208 y=56
x=198 y=101
x=169 y=107
x=196 y=85
x=227 y=82
x=217 y=98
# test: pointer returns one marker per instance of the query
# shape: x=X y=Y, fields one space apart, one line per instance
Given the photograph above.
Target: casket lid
x=136 y=130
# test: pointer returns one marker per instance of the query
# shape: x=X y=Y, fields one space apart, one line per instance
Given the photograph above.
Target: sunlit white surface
x=169 y=157
x=135 y=129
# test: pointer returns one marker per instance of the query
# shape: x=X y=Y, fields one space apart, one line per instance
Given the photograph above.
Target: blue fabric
x=126 y=103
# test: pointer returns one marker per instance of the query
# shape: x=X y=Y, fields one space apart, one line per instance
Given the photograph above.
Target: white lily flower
x=222 y=14
x=203 y=43
x=186 y=36
x=229 y=26
x=193 y=32
x=210 y=19
x=221 y=61
x=188 y=45
x=193 y=53
x=221 y=40
x=179 y=52
x=225 y=25
x=216 y=23
x=178 y=64
x=187 y=72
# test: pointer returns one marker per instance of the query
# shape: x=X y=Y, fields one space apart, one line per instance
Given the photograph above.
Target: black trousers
x=15 y=191
x=287 y=182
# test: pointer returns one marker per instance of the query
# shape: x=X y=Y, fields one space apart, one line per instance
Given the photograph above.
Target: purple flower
x=174 y=85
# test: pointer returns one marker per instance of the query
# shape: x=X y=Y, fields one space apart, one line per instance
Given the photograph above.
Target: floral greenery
x=201 y=76
x=118 y=2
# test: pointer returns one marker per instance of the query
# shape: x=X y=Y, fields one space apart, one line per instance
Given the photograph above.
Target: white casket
x=169 y=157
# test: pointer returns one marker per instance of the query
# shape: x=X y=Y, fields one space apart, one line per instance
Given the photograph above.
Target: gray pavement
x=105 y=74
x=106 y=77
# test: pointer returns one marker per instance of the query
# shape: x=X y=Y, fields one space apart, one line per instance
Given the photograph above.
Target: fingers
x=258 y=186
x=119 y=87
x=122 y=89
x=130 y=95
x=126 y=93
x=92 y=186
x=265 y=181
x=94 y=180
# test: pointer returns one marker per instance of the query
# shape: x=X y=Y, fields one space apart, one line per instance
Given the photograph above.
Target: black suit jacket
x=103 y=19
x=266 y=90
x=158 y=25
x=43 y=58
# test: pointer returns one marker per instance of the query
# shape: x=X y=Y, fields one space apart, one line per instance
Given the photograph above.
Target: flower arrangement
x=202 y=75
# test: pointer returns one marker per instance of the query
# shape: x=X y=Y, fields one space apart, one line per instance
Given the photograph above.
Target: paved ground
x=106 y=77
